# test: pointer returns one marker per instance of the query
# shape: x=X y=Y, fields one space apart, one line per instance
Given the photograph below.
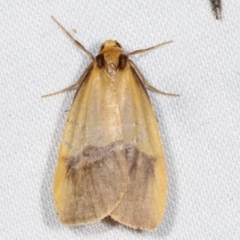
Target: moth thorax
x=112 y=63
x=111 y=69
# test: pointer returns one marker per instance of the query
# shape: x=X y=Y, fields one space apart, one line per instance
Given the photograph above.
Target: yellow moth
x=111 y=159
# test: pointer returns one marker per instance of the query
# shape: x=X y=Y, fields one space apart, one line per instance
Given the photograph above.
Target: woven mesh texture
x=200 y=130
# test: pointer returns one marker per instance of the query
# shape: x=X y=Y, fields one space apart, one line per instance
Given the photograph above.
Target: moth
x=111 y=161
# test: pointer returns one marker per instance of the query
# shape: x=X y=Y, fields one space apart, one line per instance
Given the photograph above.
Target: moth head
x=110 y=44
x=111 y=57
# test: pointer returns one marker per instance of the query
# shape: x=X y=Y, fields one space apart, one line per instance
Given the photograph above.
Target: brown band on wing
x=133 y=155
x=94 y=184
x=92 y=155
x=140 y=204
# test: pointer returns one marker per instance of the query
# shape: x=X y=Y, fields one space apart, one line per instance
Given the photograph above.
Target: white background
x=200 y=130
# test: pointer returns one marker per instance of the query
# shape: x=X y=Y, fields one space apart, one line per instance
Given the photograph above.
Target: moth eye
x=122 y=61
x=100 y=60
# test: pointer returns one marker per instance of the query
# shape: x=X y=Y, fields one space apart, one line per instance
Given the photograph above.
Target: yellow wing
x=92 y=173
x=144 y=202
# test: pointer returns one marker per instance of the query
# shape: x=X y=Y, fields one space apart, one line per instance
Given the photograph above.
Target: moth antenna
x=78 y=83
x=148 y=49
x=73 y=39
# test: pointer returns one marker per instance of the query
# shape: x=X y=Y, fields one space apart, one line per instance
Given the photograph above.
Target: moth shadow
x=110 y=222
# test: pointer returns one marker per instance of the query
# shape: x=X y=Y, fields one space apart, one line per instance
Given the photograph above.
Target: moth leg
x=78 y=83
x=147 y=84
x=74 y=40
x=148 y=49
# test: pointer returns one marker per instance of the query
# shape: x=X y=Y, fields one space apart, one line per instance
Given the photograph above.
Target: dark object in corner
x=217 y=8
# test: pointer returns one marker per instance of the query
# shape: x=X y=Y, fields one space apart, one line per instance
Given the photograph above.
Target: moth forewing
x=111 y=159
x=144 y=202
x=92 y=173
